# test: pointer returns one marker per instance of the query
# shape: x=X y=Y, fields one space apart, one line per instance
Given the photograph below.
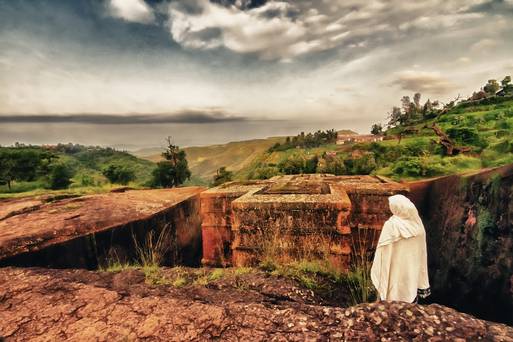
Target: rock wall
x=91 y=231
x=469 y=224
x=319 y=214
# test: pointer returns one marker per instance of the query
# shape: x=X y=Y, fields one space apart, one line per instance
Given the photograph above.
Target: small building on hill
x=343 y=139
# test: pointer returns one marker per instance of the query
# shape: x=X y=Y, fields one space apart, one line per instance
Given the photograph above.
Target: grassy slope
x=88 y=178
x=205 y=160
x=488 y=119
x=240 y=157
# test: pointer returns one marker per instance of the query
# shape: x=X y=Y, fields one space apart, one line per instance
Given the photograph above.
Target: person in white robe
x=399 y=270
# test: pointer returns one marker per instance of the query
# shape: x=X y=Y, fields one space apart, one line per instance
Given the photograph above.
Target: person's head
x=402 y=207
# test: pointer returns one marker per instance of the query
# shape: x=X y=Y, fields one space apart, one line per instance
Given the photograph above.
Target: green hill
x=482 y=129
x=86 y=164
x=205 y=160
x=240 y=157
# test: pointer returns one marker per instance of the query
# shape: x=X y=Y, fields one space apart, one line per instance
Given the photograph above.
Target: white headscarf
x=400 y=263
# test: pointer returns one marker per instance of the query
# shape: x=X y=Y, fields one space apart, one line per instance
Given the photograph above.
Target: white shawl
x=400 y=263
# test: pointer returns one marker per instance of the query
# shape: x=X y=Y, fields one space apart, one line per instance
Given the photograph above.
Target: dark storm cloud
x=242 y=4
x=420 y=81
x=186 y=117
x=494 y=7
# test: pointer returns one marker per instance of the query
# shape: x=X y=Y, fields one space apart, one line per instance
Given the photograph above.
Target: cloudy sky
x=219 y=70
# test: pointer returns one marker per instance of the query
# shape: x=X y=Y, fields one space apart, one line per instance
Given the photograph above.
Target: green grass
x=419 y=155
x=205 y=160
x=87 y=165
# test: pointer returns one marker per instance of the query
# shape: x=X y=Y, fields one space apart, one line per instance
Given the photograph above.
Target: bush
x=266 y=172
x=503 y=147
x=466 y=136
x=297 y=164
x=502 y=133
x=119 y=174
x=60 y=177
x=502 y=124
x=491 y=116
x=222 y=176
x=86 y=180
x=332 y=164
x=361 y=166
x=508 y=113
x=415 y=167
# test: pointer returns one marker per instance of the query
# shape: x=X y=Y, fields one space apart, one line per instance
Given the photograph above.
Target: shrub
x=60 y=177
x=361 y=166
x=331 y=164
x=502 y=124
x=491 y=116
x=222 y=176
x=503 y=147
x=119 y=174
x=467 y=136
x=502 y=133
x=297 y=164
x=266 y=172
x=417 y=167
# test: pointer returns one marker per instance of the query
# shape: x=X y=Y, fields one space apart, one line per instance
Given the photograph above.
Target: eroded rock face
x=240 y=218
x=80 y=232
x=78 y=305
x=469 y=226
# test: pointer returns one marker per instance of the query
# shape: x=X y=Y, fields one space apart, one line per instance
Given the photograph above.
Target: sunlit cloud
x=132 y=10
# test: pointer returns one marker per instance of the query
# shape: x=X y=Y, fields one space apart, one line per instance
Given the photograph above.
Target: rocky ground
x=34 y=223
x=235 y=305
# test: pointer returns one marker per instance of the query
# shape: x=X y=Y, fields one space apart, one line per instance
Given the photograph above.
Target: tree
x=222 y=176
x=377 y=129
x=6 y=170
x=506 y=82
x=60 y=176
x=331 y=164
x=22 y=163
x=174 y=170
x=406 y=105
x=119 y=174
x=394 y=117
x=416 y=101
x=449 y=146
x=491 y=87
x=506 y=85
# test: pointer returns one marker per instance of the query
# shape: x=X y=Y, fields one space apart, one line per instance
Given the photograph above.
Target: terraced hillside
x=483 y=130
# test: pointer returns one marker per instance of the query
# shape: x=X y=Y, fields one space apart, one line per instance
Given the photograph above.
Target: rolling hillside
x=483 y=129
x=239 y=157
x=85 y=163
x=205 y=160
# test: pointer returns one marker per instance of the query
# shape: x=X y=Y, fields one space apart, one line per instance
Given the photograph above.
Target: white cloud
x=267 y=31
x=283 y=30
x=132 y=10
